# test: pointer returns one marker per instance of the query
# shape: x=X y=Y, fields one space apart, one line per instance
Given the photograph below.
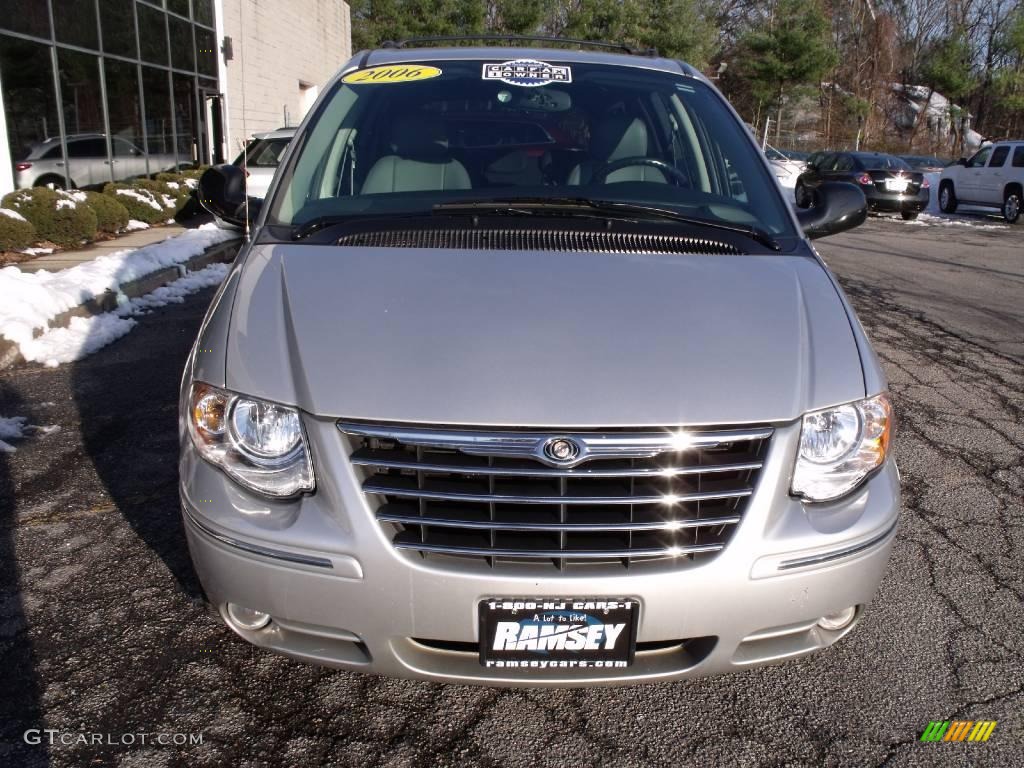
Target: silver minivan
x=528 y=375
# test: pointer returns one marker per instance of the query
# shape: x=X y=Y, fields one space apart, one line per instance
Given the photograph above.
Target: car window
x=91 y=148
x=124 y=148
x=979 y=158
x=54 y=152
x=844 y=163
x=475 y=130
x=1018 y=157
x=998 y=157
x=831 y=162
x=263 y=153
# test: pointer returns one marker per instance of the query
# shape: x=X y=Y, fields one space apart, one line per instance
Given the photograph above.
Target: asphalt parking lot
x=103 y=631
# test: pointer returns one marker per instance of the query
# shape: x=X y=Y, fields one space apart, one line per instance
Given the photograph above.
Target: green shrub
x=111 y=214
x=16 y=232
x=143 y=203
x=61 y=217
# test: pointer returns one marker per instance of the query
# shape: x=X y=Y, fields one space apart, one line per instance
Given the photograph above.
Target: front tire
x=909 y=215
x=53 y=182
x=1011 y=206
x=947 y=198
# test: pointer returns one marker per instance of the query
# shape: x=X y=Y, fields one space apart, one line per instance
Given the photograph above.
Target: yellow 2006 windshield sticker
x=391 y=73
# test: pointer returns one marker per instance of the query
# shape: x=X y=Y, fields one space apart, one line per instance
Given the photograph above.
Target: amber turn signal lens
x=209 y=408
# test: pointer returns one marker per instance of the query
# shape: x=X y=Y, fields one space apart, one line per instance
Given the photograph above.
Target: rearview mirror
x=222 y=192
x=838 y=206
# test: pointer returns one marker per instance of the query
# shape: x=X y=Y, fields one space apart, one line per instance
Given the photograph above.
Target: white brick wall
x=279 y=44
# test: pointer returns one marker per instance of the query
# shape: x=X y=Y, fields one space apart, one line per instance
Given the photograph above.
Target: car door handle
x=60 y=163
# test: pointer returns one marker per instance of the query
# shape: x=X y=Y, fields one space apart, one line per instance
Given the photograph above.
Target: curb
x=107 y=301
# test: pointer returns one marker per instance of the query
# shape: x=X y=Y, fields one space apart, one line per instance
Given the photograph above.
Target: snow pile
x=83 y=336
x=29 y=300
x=946 y=220
x=12 y=214
x=191 y=183
x=17 y=427
x=176 y=292
x=134 y=225
x=37 y=251
x=66 y=204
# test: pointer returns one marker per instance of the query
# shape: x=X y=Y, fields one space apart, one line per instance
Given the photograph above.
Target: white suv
x=994 y=177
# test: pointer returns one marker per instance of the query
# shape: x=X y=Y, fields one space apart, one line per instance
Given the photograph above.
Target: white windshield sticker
x=527 y=72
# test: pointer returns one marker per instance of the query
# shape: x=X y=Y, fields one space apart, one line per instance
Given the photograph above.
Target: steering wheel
x=606 y=169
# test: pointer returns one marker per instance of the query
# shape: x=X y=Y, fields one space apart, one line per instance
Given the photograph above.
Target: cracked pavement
x=103 y=630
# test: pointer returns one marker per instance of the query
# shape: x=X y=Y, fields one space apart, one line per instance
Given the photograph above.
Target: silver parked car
x=261 y=157
x=529 y=375
x=88 y=162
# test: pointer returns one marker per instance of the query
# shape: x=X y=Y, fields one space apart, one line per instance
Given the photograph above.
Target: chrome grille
x=625 y=496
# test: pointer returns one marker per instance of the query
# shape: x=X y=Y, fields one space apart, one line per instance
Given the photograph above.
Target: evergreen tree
x=793 y=49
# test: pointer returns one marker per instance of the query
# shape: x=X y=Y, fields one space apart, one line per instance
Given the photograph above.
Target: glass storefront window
x=30 y=103
x=206 y=51
x=153 y=35
x=202 y=12
x=117 y=18
x=125 y=117
x=28 y=18
x=178 y=6
x=88 y=163
x=156 y=88
x=156 y=118
x=185 y=118
x=74 y=22
x=182 y=50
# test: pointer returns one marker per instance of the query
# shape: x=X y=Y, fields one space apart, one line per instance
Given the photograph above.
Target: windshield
x=884 y=163
x=405 y=138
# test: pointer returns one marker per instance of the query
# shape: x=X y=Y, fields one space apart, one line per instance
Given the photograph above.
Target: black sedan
x=888 y=183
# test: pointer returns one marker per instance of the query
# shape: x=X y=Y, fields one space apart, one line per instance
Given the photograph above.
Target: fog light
x=247 y=618
x=838 y=620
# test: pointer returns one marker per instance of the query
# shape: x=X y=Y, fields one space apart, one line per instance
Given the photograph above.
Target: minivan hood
x=531 y=338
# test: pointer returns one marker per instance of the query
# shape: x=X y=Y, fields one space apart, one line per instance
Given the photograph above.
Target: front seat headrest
x=422 y=137
x=618 y=136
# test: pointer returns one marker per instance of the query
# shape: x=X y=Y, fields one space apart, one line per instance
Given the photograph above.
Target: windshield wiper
x=524 y=206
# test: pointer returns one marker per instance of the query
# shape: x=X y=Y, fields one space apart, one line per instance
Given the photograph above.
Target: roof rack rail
x=418 y=41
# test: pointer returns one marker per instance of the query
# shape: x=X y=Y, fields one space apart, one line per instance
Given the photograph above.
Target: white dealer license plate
x=554 y=634
x=896 y=185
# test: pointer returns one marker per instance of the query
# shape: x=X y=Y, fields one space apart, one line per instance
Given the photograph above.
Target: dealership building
x=119 y=88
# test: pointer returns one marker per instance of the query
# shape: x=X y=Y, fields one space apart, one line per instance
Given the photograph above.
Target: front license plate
x=896 y=185
x=542 y=634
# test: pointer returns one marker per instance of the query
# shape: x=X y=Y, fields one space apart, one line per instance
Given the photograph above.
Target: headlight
x=840 y=446
x=259 y=444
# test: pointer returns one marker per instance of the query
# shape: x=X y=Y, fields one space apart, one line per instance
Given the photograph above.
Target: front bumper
x=340 y=595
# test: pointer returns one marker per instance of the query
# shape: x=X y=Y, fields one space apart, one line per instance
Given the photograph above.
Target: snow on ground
x=85 y=335
x=135 y=224
x=16 y=428
x=29 y=300
x=37 y=251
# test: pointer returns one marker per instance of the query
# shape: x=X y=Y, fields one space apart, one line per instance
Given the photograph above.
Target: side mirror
x=962 y=161
x=838 y=207
x=222 y=192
